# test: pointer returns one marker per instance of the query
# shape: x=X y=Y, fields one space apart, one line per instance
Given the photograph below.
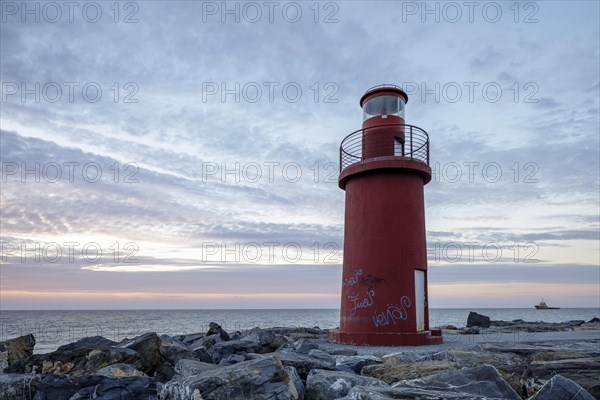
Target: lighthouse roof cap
x=383 y=89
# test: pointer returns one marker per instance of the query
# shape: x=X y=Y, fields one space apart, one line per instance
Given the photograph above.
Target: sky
x=184 y=154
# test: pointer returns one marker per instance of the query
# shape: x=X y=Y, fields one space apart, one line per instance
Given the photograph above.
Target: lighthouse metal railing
x=409 y=142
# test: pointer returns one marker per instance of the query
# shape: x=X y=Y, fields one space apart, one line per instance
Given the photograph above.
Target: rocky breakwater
x=292 y=363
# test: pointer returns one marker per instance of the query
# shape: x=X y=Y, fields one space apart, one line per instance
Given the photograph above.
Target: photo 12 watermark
x=291 y=172
x=254 y=12
x=270 y=253
x=489 y=252
x=28 y=251
x=453 y=12
x=52 y=12
x=59 y=333
x=271 y=92
x=471 y=92
x=486 y=172
x=68 y=172
x=69 y=92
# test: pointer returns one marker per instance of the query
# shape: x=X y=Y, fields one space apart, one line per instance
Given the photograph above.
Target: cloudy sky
x=185 y=154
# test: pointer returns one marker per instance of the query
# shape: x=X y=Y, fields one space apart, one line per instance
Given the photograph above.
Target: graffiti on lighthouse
x=393 y=313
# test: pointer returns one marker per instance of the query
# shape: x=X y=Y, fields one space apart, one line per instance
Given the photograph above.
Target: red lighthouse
x=383 y=169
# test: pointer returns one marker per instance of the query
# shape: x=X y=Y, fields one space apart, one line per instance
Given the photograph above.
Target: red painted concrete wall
x=384 y=243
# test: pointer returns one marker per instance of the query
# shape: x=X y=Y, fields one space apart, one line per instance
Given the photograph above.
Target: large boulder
x=376 y=393
x=479 y=320
x=304 y=363
x=392 y=370
x=561 y=388
x=583 y=370
x=88 y=355
x=222 y=350
x=305 y=345
x=354 y=364
x=187 y=368
x=120 y=370
x=483 y=380
x=148 y=348
x=296 y=380
x=54 y=387
x=326 y=385
x=259 y=379
x=17 y=349
x=172 y=351
x=215 y=329
x=264 y=337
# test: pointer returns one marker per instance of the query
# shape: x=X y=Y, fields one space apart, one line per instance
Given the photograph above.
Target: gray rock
x=475 y=319
x=233 y=359
x=88 y=355
x=187 y=368
x=90 y=342
x=254 y=356
x=54 y=387
x=264 y=337
x=341 y=352
x=171 y=351
x=296 y=380
x=17 y=349
x=215 y=329
x=376 y=393
x=298 y=333
x=79 y=361
x=148 y=348
x=120 y=370
x=327 y=385
x=201 y=354
x=19 y=386
x=206 y=341
x=117 y=389
x=483 y=380
x=190 y=339
x=223 y=350
x=304 y=345
x=304 y=363
x=252 y=380
x=354 y=364
x=561 y=388
x=583 y=370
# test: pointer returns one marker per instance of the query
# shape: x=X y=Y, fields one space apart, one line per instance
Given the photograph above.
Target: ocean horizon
x=54 y=328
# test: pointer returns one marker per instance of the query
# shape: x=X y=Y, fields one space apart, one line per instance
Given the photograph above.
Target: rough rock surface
x=354 y=364
x=304 y=363
x=326 y=385
x=483 y=380
x=391 y=372
x=276 y=363
x=479 y=320
x=88 y=355
x=16 y=349
x=215 y=329
x=260 y=379
x=54 y=387
x=120 y=370
x=561 y=388
x=187 y=368
x=296 y=380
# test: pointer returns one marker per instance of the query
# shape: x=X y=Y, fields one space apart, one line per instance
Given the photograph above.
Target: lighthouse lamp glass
x=383 y=105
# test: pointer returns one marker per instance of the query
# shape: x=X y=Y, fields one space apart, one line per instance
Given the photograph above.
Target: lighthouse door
x=420 y=299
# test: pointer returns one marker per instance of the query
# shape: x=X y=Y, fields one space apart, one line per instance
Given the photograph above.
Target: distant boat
x=543 y=306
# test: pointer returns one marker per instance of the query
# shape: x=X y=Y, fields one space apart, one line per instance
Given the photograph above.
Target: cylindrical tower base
x=384 y=287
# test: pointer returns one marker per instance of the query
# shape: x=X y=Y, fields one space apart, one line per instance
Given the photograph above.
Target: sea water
x=56 y=328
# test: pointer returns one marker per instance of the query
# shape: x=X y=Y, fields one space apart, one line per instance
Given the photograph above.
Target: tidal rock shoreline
x=299 y=363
